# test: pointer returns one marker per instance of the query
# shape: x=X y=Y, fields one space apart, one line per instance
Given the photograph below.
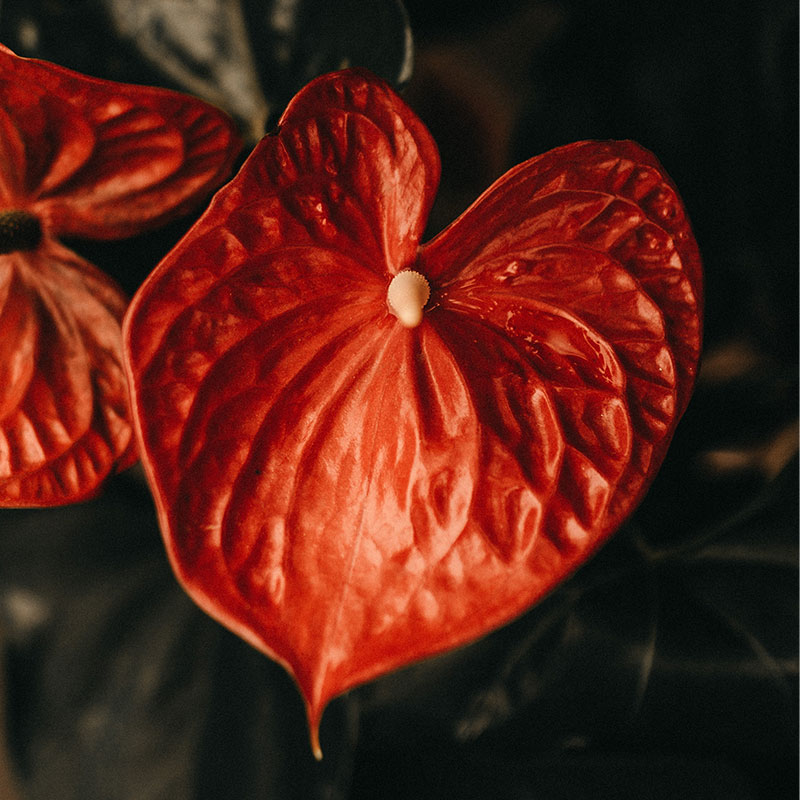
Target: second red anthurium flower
x=365 y=450
x=86 y=158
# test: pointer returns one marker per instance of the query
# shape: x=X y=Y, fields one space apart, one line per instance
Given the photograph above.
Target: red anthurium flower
x=89 y=158
x=365 y=451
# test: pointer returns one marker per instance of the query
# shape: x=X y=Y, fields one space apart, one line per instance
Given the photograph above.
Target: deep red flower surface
x=87 y=158
x=350 y=492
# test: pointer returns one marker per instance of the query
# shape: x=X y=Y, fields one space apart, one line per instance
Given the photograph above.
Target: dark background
x=667 y=666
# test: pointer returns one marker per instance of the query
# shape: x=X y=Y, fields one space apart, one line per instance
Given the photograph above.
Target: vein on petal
x=293 y=314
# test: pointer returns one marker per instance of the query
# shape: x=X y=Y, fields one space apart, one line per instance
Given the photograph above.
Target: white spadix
x=408 y=292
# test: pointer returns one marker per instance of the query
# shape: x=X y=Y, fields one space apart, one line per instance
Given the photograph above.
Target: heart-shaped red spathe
x=96 y=159
x=349 y=494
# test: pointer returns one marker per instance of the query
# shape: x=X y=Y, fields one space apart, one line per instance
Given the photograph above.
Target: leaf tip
x=313 y=733
x=314 y=717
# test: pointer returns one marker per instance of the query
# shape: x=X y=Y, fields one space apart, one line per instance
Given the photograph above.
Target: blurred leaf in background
x=248 y=57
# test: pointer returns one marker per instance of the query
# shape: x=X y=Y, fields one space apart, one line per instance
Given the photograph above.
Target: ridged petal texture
x=89 y=158
x=350 y=495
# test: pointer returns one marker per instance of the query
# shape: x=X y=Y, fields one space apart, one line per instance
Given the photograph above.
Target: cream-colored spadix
x=408 y=292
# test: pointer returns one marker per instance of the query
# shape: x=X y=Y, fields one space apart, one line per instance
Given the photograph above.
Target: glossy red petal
x=254 y=349
x=360 y=168
x=598 y=230
x=64 y=418
x=101 y=159
x=607 y=197
x=349 y=494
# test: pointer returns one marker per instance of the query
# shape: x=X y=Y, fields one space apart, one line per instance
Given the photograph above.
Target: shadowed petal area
x=83 y=157
x=106 y=160
x=548 y=391
x=597 y=230
x=42 y=138
x=64 y=423
x=609 y=197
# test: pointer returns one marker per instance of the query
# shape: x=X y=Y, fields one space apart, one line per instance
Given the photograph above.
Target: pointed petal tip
x=313 y=737
x=314 y=717
x=315 y=748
